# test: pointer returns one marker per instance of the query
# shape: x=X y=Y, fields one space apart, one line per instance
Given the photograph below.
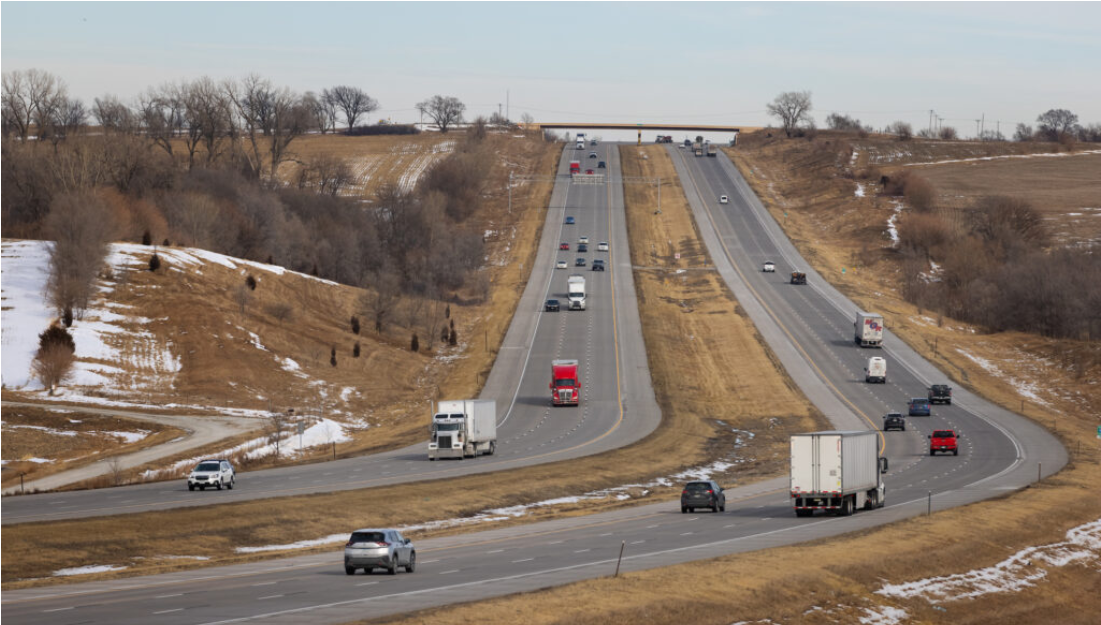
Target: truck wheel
x=847 y=507
x=349 y=570
x=432 y=458
x=492 y=447
x=955 y=452
x=683 y=510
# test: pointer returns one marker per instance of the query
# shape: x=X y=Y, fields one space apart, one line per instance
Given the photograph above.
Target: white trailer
x=576 y=284
x=868 y=329
x=838 y=472
x=463 y=428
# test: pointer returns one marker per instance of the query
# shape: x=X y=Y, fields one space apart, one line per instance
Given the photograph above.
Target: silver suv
x=386 y=549
x=214 y=472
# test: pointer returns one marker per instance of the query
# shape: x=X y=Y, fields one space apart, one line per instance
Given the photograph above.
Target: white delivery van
x=876 y=370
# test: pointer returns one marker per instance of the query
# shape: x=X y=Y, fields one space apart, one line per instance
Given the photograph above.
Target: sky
x=627 y=62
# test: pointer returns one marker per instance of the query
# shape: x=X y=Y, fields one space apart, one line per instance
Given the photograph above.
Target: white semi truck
x=576 y=285
x=463 y=428
x=837 y=472
x=868 y=329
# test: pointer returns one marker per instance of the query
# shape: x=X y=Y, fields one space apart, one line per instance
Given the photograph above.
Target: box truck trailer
x=837 y=472
x=868 y=329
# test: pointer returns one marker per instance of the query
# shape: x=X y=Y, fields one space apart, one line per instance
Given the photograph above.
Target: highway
x=617 y=405
x=808 y=327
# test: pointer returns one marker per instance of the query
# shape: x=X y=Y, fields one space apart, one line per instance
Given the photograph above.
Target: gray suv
x=702 y=495
x=386 y=549
x=214 y=472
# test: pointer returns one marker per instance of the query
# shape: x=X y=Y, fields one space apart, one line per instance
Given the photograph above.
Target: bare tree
x=1023 y=133
x=948 y=133
x=160 y=114
x=322 y=111
x=81 y=226
x=792 y=108
x=382 y=297
x=209 y=117
x=271 y=118
x=444 y=110
x=903 y=130
x=352 y=101
x=1056 y=122
x=277 y=424
x=117 y=471
x=112 y=115
x=325 y=173
x=30 y=98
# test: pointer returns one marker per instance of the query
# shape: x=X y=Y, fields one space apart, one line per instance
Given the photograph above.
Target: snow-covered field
x=23 y=276
x=1004 y=157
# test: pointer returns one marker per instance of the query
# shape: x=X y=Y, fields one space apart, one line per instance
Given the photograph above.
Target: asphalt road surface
x=617 y=406
x=809 y=327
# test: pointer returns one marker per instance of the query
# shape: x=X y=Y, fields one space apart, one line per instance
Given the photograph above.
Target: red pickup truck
x=945 y=441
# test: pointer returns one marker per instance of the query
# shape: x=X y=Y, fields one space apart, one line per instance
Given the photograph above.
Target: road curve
x=617 y=408
x=1000 y=453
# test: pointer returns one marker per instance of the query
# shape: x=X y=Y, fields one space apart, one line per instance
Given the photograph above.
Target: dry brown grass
x=694 y=380
x=90 y=444
x=832 y=229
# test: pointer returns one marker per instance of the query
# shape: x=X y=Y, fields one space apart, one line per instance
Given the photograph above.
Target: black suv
x=598 y=264
x=940 y=394
x=702 y=495
x=894 y=421
x=552 y=306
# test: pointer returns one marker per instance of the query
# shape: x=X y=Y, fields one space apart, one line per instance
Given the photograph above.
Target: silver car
x=213 y=472
x=373 y=548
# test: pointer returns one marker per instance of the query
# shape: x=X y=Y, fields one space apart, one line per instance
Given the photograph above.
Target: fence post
x=620 y=560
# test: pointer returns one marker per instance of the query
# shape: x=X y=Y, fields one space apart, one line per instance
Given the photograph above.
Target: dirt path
x=201 y=431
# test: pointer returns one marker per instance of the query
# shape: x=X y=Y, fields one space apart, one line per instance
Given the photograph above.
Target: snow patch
x=1025 y=389
x=884 y=615
x=859 y=190
x=892 y=223
x=88 y=570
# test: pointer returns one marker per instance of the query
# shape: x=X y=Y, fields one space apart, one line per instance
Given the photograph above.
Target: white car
x=583 y=240
x=602 y=246
x=769 y=267
x=369 y=549
x=561 y=265
x=723 y=199
x=214 y=472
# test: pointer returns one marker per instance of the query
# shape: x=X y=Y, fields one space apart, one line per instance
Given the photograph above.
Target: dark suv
x=702 y=495
x=552 y=305
x=894 y=421
x=940 y=394
x=919 y=407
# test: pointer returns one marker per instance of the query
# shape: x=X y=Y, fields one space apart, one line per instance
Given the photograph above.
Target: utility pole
x=977 y=133
x=508 y=113
x=510 y=193
x=498 y=111
x=930 y=121
x=982 y=125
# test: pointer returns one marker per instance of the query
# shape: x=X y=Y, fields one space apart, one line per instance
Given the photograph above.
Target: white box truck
x=463 y=428
x=576 y=284
x=875 y=372
x=838 y=472
x=868 y=329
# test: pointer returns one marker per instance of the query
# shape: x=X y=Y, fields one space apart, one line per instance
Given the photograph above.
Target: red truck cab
x=575 y=167
x=946 y=441
x=565 y=385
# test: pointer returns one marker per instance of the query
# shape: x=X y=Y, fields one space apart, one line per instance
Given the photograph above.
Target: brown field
x=694 y=380
x=92 y=440
x=1066 y=189
x=834 y=229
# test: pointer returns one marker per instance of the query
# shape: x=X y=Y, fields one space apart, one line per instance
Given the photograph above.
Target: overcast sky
x=590 y=61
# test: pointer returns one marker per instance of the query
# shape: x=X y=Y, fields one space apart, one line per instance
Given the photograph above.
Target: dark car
x=582 y=247
x=601 y=165
x=919 y=407
x=552 y=306
x=798 y=277
x=570 y=221
x=702 y=495
x=894 y=421
x=564 y=246
x=598 y=265
x=580 y=262
x=940 y=394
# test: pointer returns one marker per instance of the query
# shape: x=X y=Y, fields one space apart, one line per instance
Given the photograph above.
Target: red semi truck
x=565 y=384
x=575 y=167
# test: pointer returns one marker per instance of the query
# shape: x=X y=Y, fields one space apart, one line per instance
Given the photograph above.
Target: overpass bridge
x=638 y=127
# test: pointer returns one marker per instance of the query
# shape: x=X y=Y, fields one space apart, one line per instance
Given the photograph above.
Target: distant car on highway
x=769 y=267
x=564 y=246
x=582 y=248
x=592 y=155
x=919 y=407
x=589 y=171
x=561 y=265
x=702 y=495
x=723 y=199
x=214 y=472
x=602 y=246
x=582 y=239
x=570 y=220
x=580 y=262
x=944 y=441
x=552 y=305
x=798 y=277
x=940 y=394
x=601 y=165
x=598 y=265
x=894 y=421
x=387 y=549
x=592 y=143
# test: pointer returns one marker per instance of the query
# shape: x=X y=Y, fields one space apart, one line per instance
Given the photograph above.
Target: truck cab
x=940 y=394
x=575 y=167
x=565 y=385
x=945 y=441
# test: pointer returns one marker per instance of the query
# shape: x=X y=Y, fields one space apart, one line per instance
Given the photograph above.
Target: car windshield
x=698 y=486
x=448 y=427
x=368 y=537
x=552 y=302
x=944 y=434
x=920 y=402
x=207 y=466
x=564 y=382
